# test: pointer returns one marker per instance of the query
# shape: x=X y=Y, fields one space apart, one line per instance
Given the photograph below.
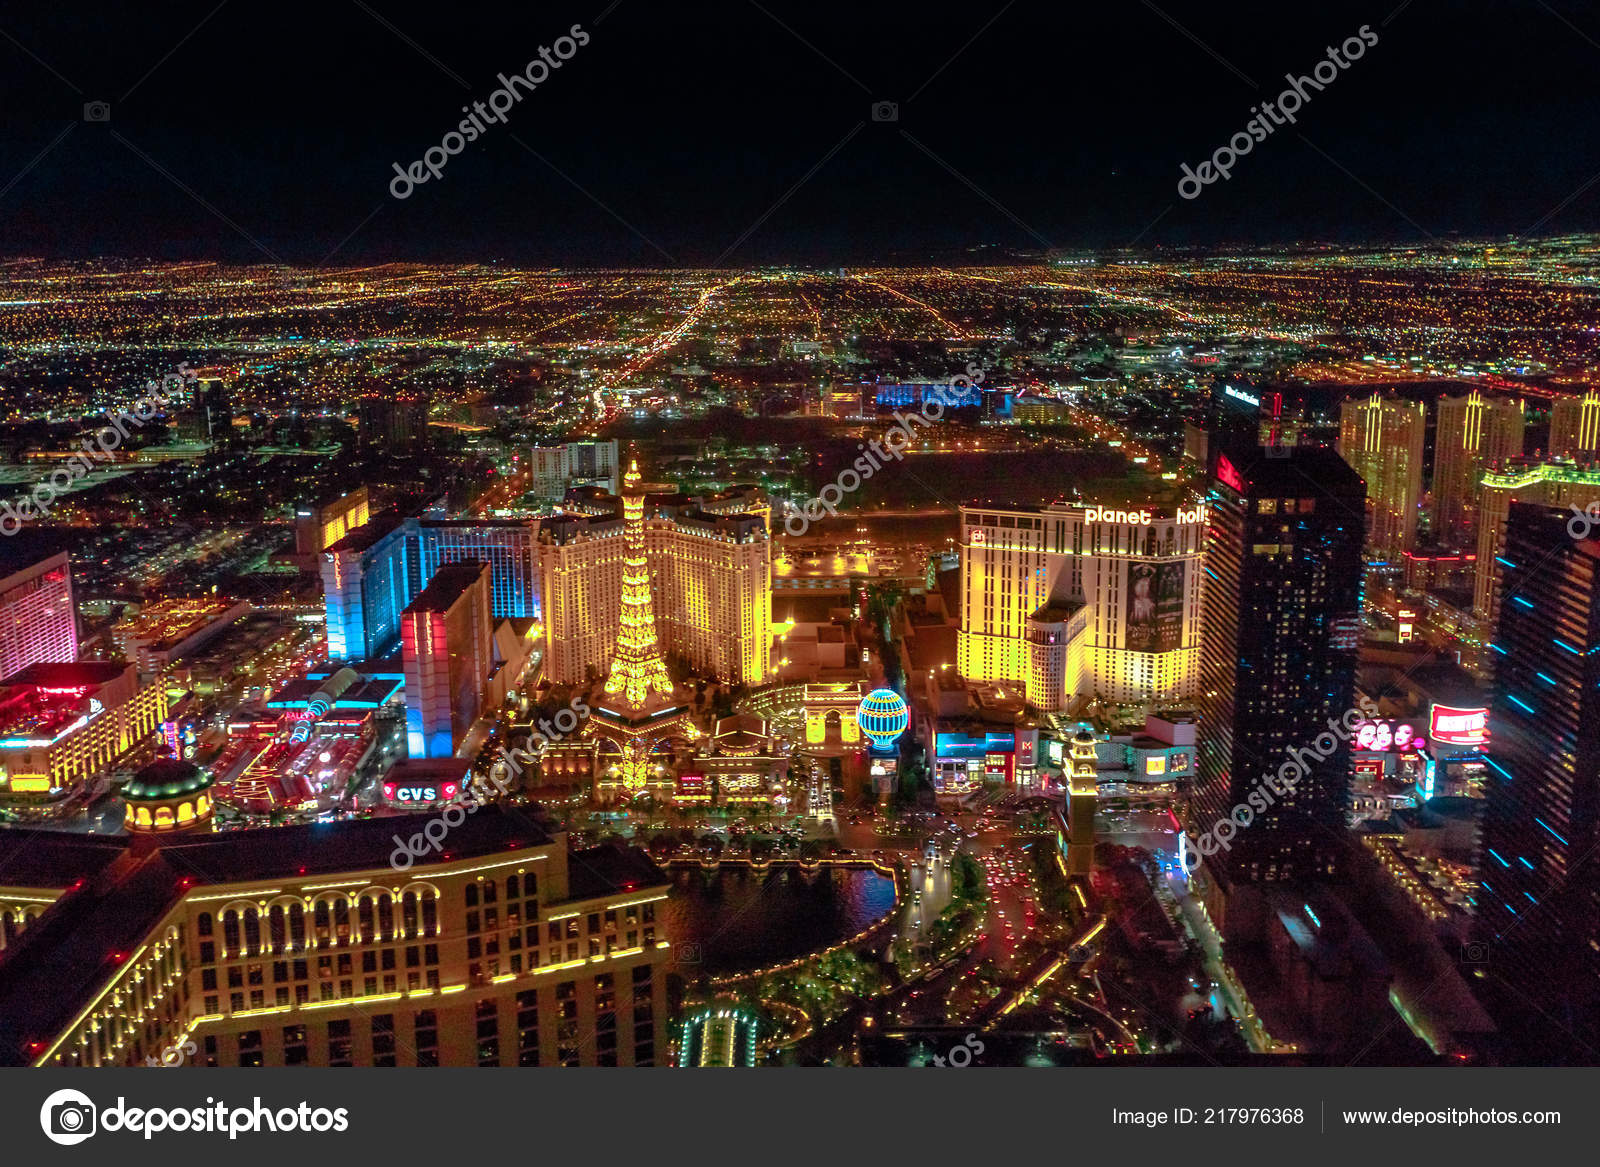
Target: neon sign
x=1241 y=395
x=416 y=795
x=1460 y=727
x=1383 y=736
x=1228 y=475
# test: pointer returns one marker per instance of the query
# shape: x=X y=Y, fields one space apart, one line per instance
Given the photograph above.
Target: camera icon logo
x=1475 y=952
x=687 y=953
x=97 y=111
x=885 y=111
x=68 y=1117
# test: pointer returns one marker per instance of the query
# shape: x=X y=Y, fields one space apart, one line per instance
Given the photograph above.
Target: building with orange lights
x=1381 y=439
x=62 y=724
x=710 y=568
x=1078 y=601
x=296 y=947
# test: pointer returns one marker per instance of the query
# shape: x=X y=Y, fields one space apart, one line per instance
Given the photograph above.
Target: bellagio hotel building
x=307 y=946
x=1078 y=601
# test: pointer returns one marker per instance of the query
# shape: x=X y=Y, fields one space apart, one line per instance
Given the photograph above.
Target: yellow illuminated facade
x=1474 y=433
x=1575 y=427
x=493 y=959
x=58 y=735
x=709 y=581
x=1381 y=440
x=1075 y=601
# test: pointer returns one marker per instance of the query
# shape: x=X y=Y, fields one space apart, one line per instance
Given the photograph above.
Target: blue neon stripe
x=1524 y=862
x=1546 y=826
x=1498 y=649
x=1523 y=602
x=1546 y=679
x=1530 y=896
x=1496 y=854
x=1515 y=700
x=1504 y=773
x=1568 y=647
x=1507 y=562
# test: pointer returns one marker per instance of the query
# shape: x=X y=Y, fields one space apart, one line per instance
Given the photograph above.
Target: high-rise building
x=710 y=564
x=509 y=546
x=1540 y=905
x=1560 y=484
x=447 y=643
x=1283 y=603
x=368 y=578
x=1473 y=433
x=370 y=575
x=1381 y=439
x=396 y=424
x=554 y=470
x=319 y=525
x=38 y=611
x=303 y=946
x=1074 y=601
x=1575 y=427
x=216 y=410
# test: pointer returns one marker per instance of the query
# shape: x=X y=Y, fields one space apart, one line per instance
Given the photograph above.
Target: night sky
x=743 y=133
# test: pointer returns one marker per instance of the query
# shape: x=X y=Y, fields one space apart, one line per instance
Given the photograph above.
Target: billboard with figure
x=1154 y=619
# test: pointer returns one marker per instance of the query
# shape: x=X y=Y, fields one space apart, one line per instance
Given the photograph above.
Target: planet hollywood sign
x=1143 y=517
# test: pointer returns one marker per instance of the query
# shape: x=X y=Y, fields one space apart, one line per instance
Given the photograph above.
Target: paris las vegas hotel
x=1076 y=601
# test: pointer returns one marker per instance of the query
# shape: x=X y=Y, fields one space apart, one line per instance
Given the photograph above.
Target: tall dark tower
x=1282 y=624
x=1539 y=911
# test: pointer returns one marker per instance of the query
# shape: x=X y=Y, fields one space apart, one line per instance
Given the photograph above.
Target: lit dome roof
x=163 y=779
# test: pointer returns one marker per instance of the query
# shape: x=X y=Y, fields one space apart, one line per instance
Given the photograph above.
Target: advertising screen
x=1154 y=620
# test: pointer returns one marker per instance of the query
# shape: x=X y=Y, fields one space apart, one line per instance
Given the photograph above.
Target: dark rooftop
x=64 y=674
x=447 y=585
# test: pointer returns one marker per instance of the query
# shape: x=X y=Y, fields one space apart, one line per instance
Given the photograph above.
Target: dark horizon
x=744 y=134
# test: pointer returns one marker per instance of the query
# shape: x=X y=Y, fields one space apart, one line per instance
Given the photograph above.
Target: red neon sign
x=1228 y=475
x=1460 y=727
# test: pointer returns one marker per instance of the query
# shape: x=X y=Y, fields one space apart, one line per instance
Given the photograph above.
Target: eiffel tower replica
x=640 y=713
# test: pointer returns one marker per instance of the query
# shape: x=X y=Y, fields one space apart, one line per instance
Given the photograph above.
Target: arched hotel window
x=230 y=930
x=276 y=928
x=203 y=923
x=368 y=931
x=513 y=884
x=297 y=925
x=252 y=931
x=472 y=895
x=408 y=913
x=386 y=916
x=430 y=914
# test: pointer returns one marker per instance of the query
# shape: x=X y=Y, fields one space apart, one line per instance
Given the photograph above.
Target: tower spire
x=637 y=669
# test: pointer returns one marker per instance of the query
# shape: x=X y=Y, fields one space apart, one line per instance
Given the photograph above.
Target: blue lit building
x=368 y=578
x=509 y=546
x=374 y=572
x=1539 y=902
